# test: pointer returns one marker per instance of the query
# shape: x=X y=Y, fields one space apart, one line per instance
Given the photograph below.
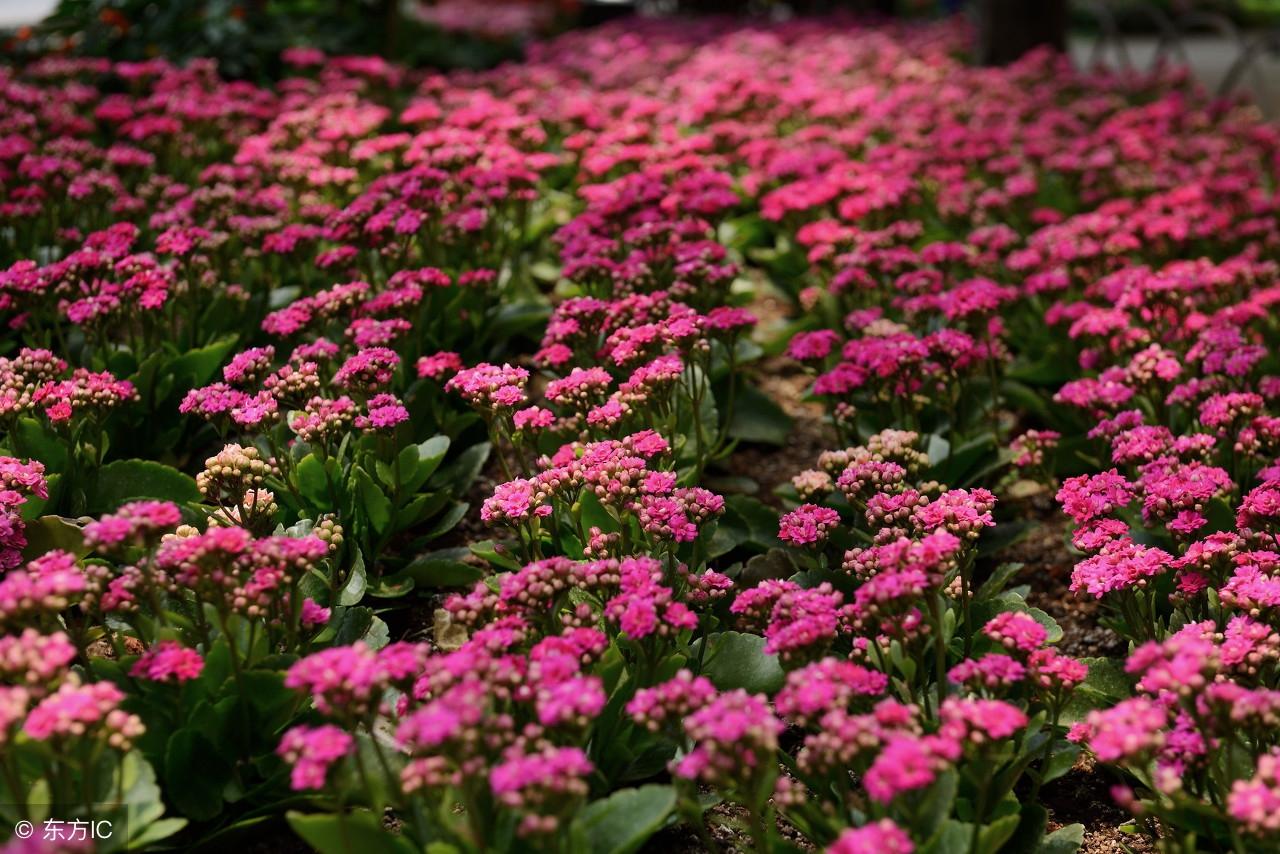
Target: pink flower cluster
x=19 y=481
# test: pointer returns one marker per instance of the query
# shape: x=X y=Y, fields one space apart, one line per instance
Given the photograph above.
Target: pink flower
x=671 y=702
x=168 y=661
x=804 y=623
x=993 y=671
x=1121 y=566
x=312 y=751
x=908 y=763
x=384 y=413
x=249 y=366
x=35 y=660
x=1130 y=729
x=1255 y=803
x=369 y=369
x=881 y=837
x=530 y=780
x=576 y=701
x=489 y=386
x=1088 y=497
x=1016 y=631
x=824 y=685
x=514 y=502
x=978 y=721
x=812 y=346
x=132 y=524
x=807 y=525
x=75 y=709
x=734 y=736
x=340 y=680
x=533 y=418
x=324 y=418
x=313 y=614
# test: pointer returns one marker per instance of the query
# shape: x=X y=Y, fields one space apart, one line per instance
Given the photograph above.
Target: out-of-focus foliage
x=247 y=36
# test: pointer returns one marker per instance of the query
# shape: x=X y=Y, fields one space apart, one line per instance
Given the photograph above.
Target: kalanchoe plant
x=186 y=634
x=323 y=437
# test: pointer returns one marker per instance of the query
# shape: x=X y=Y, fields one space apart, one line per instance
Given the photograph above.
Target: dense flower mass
x=393 y=454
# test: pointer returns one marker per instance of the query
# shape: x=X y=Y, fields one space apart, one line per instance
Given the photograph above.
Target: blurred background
x=1232 y=46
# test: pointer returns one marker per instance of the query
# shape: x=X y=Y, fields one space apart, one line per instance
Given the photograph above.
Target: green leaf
x=273 y=704
x=738 y=660
x=1107 y=677
x=1050 y=624
x=427 y=457
x=155 y=832
x=995 y=834
x=1106 y=684
x=458 y=475
x=312 y=482
x=391 y=587
x=1048 y=372
x=129 y=480
x=1064 y=840
x=937 y=802
x=356 y=832
x=423 y=506
x=377 y=506
x=760 y=518
x=951 y=469
x=377 y=635
x=731 y=531
x=488 y=550
x=145 y=376
x=622 y=822
x=937 y=448
x=142 y=801
x=34 y=437
x=1032 y=818
x=347 y=626
x=1005 y=534
x=53 y=532
x=775 y=563
x=757 y=418
x=951 y=838
x=407 y=464
x=594 y=514
x=195 y=772
x=196 y=367
x=1062 y=760
x=447 y=521
x=996 y=582
x=386 y=474
x=279 y=297
x=357 y=582
x=442 y=568
x=513 y=318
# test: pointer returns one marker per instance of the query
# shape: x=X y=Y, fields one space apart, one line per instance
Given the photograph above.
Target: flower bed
x=374 y=449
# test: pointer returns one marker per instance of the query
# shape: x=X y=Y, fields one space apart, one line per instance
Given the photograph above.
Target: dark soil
x=1048 y=562
x=1083 y=797
x=771 y=466
x=787 y=384
x=728 y=825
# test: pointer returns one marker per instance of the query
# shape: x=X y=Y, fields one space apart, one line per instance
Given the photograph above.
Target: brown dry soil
x=787 y=384
x=1083 y=797
x=770 y=466
x=1048 y=561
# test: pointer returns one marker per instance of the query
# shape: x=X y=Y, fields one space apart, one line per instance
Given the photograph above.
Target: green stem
x=759 y=833
x=939 y=646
